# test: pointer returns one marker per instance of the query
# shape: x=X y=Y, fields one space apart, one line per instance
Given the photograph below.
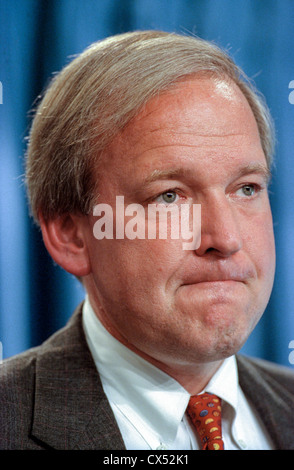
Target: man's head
x=200 y=138
x=97 y=94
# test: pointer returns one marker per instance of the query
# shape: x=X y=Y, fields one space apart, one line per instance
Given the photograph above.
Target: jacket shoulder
x=18 y=388
x=17 y=378
x=268 y=372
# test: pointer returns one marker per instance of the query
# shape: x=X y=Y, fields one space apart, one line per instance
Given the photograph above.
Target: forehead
x=209 y=101
x=203 y=115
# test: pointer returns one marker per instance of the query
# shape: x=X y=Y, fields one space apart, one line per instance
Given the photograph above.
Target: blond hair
x=97 y=94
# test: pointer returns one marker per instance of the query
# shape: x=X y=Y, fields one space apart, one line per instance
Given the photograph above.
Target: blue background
x=37 y=39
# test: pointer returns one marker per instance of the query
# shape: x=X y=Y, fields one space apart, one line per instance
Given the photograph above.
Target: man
x=157 y=120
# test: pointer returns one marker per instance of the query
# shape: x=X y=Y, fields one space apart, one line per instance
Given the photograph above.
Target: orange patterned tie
x=205 y=413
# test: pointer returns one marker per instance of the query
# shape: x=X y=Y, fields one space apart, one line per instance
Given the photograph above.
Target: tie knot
x=205 y=413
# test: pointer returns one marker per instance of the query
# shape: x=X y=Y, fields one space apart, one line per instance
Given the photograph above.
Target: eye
x=248 y=190
x=168 y=197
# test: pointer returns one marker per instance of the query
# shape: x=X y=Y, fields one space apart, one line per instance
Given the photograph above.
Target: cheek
x=134 y=267
x=260 y=246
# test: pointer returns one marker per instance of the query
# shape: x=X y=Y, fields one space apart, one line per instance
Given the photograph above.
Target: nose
x=220 y=233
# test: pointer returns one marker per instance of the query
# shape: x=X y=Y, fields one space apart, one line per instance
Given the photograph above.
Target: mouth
x=217 y=278
x=222 y=275
x=216 y=284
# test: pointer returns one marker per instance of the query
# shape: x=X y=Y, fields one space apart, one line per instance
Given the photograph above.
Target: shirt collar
x=224 y=383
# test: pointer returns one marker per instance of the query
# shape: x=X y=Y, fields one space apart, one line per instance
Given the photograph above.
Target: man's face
x=197 y=144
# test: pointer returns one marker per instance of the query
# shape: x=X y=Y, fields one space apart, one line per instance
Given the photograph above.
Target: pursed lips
x=226 y=275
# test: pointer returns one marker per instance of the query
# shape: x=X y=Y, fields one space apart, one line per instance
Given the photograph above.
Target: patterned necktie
x=205 y=413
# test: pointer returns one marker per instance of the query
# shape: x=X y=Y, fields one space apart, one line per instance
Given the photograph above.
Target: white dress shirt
x=150 y=406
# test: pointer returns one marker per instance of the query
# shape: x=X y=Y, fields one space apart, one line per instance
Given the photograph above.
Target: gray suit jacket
x=51 y=397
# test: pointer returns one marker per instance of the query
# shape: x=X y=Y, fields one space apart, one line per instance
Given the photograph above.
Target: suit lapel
x=271 y=400
x=71 y=410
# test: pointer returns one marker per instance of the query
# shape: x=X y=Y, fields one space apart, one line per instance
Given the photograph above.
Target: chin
x=220 y=339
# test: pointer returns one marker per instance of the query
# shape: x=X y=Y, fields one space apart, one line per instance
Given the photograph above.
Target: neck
x=193 y=378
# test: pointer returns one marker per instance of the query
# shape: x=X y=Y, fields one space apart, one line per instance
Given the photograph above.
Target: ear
x=65 y=240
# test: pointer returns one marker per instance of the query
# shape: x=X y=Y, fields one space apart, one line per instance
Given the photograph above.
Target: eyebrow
x=258 y=168
x=165 y=174
x=255 y=167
